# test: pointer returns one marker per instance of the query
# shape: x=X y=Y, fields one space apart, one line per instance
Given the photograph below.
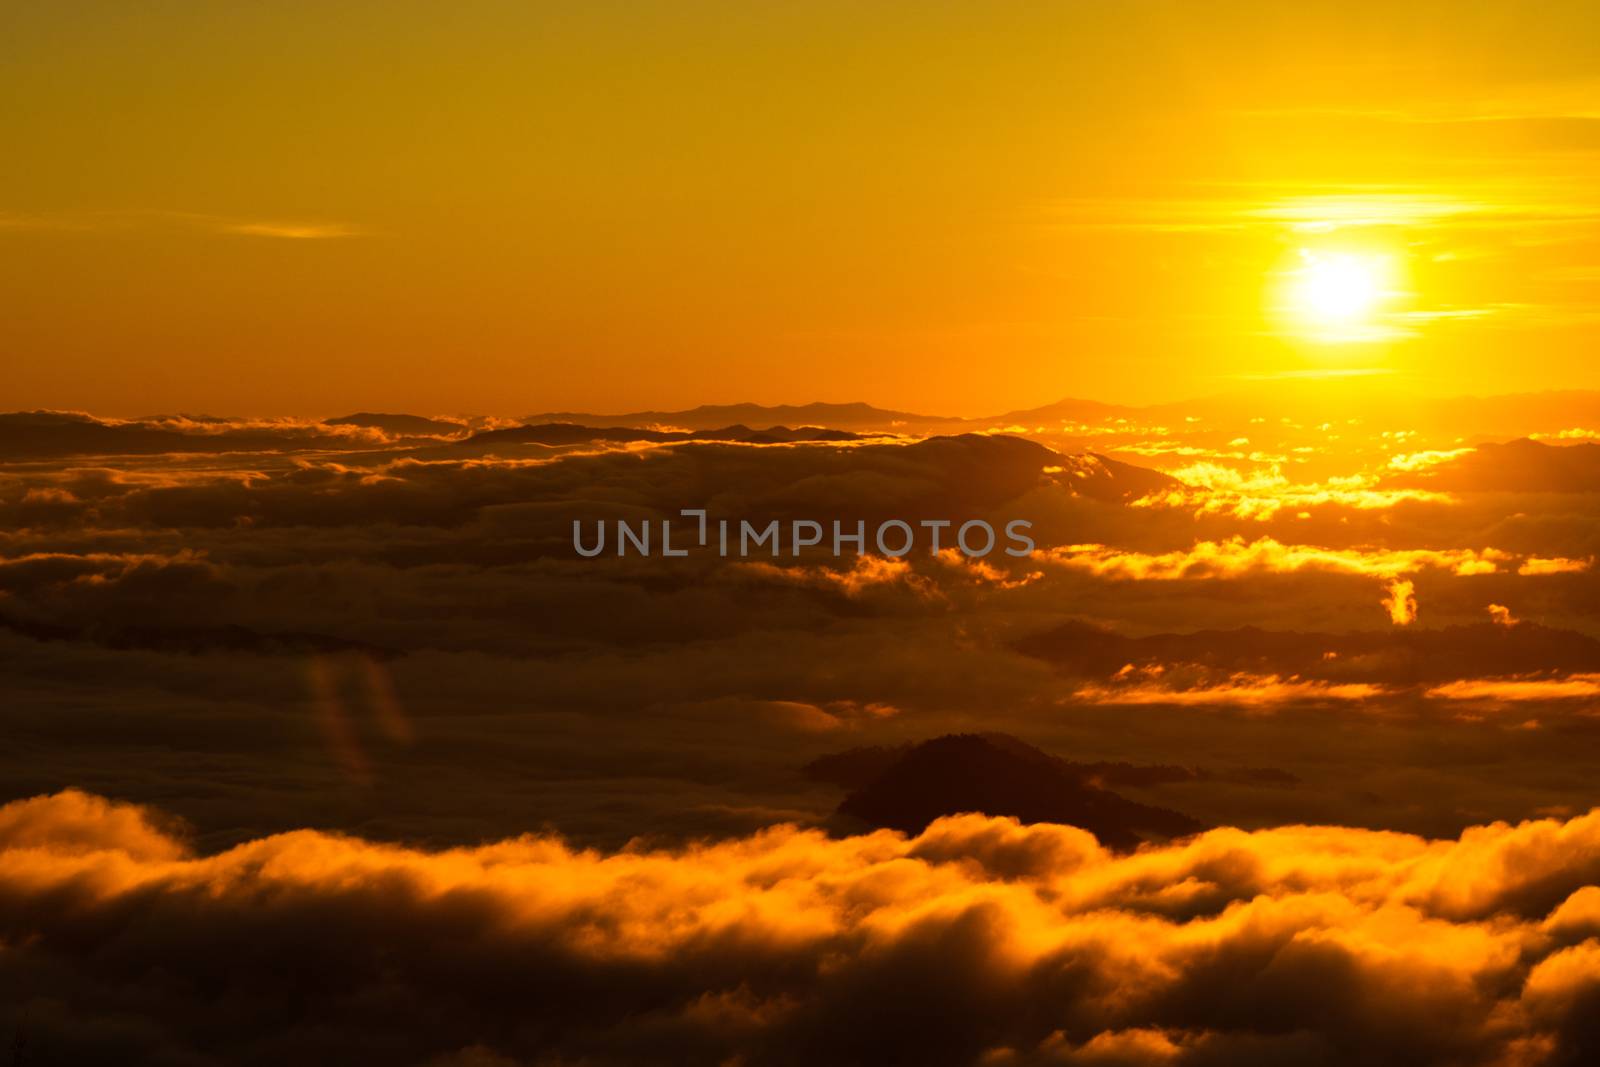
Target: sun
x=1339 y=295
x=1339 y=288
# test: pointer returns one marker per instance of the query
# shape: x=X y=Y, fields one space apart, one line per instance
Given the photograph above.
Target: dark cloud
x=1405 y=657
x=615 y=697
x=978 y=941
x=378 y=654
x=1521 y=466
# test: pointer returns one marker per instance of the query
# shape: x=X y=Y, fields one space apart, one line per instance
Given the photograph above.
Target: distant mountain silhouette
x=854 y=416
x=400 y=425
x=1395 y=656
x=566 y=433
x=1517 y=466
x=995 y=774
x=42 y=434
x=1305 y=401
x=35 y=434
x=46 y=434
x=1070 y=409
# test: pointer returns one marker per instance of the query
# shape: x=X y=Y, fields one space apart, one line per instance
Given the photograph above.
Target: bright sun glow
x=1340 y=295
x=1341 y=288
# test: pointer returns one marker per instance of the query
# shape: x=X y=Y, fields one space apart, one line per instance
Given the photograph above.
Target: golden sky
x=948 y=207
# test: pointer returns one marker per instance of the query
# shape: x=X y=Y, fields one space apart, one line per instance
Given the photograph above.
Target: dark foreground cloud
x=979 y=941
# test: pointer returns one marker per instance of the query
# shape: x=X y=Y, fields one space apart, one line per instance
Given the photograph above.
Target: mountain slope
x=999 y=775
x=853 y=416
x=566 y=433
x=1520 y=466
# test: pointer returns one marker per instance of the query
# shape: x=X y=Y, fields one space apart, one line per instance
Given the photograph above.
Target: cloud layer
x=979 y=941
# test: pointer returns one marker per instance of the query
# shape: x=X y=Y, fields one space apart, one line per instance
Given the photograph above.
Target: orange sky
x=315 y=207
